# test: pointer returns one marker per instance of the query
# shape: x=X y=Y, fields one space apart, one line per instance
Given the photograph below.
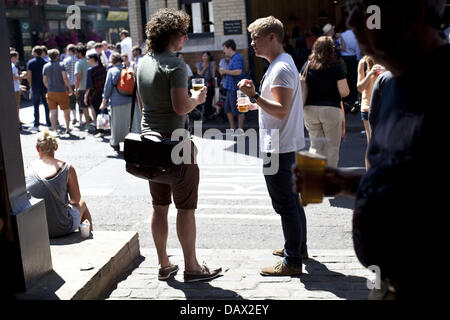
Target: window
x=201 y=12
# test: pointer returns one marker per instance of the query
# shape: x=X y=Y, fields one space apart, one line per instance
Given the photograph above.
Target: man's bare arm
x=279 y=107
x=29 y=77
x=341 y=182
x=44 y=80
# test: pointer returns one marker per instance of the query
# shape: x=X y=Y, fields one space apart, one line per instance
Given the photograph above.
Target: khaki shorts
x=55 y=99
x=185 y=192
x=17 y=96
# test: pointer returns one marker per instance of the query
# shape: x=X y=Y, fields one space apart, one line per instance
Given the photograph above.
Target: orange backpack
x=125 y=85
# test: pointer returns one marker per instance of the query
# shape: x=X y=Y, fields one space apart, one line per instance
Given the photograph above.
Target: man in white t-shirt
x=126 y=44
x=281 y=135
x=16 y=80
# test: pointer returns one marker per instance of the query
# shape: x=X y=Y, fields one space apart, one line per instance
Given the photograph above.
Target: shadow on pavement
x=118 y=155
x=72 y=238
x=320 y=278
x=342 y=202
x=203 y=290
x=70 y=136
x=45 y=288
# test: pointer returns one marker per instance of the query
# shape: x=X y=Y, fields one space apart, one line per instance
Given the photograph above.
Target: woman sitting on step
x=56 y=182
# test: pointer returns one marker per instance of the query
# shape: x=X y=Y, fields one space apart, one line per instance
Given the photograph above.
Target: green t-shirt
x=82 y=66
x=157 y=73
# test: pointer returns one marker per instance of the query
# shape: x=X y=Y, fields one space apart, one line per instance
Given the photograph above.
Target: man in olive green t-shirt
x=165 y=103
x=157 y=74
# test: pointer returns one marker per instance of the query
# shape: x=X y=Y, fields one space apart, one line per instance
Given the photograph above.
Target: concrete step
x=110 y=254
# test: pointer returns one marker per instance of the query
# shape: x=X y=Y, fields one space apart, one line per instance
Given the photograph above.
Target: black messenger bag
x=148 y=156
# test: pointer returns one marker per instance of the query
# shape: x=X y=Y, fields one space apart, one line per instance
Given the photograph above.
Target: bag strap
x=305 y=72
x=133 y=103
x=49 y=186
x=118 y=79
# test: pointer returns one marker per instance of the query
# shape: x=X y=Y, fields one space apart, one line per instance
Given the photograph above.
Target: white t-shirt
x=189 y=71
x=126 y=46
x=282 y=136
x=351 y=44
x=15 y=72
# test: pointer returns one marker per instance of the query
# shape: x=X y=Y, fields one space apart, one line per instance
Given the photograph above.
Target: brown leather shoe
x=280 y=253
x=166 y=272
x=204 y=275
x=281 y=269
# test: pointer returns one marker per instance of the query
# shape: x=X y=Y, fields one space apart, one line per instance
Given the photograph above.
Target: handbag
x=148 y=156
x=303 y=84
x=103 y=122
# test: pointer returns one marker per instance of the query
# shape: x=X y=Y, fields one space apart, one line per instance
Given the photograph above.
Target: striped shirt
x=69 y=64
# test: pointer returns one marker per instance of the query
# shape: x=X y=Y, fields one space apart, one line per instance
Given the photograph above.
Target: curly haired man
x=165 y=103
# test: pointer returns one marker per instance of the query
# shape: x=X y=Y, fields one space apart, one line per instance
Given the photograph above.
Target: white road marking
x=95 y=191
x=237 y=207
x=274 y=217
x=235 y=197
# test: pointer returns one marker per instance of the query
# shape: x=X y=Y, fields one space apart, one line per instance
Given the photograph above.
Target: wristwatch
x=254 y=98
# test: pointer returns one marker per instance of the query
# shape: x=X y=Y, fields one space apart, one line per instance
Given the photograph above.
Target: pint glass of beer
x=310 y=168
x=198 y=84
x=242 y=101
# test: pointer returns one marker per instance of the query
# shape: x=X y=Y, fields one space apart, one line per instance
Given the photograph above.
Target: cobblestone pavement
x=328 y=274
x=236 y=226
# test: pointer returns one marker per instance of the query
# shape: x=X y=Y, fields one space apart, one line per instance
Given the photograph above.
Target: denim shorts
x=75 y=217
x=365 y=115
x=231 y=103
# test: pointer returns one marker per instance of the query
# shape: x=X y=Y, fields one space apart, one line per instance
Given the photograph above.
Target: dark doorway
x=15 y=36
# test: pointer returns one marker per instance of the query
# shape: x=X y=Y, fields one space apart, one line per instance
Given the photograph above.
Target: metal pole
x=24 y=236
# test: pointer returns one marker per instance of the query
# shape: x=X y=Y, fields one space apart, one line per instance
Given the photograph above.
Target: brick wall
x=135 y=21
x=223 y=10
x=228 y=10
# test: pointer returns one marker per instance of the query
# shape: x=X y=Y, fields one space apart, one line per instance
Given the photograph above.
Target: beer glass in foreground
x=198 y=84
x=242 y=101
x=310 y=176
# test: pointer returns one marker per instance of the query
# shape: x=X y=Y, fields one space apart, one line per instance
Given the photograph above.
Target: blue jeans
x=37 y=95
x=286 y=203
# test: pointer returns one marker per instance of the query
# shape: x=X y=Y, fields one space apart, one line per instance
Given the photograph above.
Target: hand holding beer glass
x=247 y=88
x=198 y=84
x=243 y=101
x=308 y=174
x=198 y=90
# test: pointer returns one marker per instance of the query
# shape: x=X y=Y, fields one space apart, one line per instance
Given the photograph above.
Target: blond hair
x=267 y=25
x=46 y=141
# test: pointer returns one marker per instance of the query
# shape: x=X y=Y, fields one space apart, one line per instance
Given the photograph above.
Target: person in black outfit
x=96 y=79
x=400 y=215
x=377 y=93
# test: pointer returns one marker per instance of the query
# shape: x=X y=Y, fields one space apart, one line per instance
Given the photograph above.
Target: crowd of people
x=80 y=81
x=224 y=76
x=397 y=218
x=85 y=76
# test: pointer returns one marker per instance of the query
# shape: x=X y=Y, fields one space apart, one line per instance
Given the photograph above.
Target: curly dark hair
x=164 y=24
x=323 y=53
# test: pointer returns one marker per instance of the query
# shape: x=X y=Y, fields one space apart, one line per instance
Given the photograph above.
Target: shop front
x=44 y=22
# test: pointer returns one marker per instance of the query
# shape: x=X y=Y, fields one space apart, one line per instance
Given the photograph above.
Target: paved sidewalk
x=329 y=274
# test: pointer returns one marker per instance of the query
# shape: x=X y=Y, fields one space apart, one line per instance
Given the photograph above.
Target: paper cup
x=84 y=230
